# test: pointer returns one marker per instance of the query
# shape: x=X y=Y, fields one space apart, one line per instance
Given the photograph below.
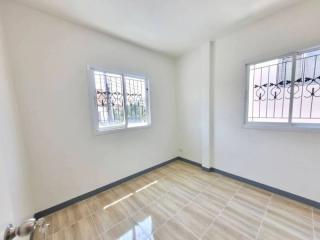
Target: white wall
x=49 y=58
x=6 y=215
x=193 y=105
x=285 y=160
x=15 y=202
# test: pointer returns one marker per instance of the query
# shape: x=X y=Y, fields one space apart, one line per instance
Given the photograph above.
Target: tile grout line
x=221 y=212
x=130 y=215
x=189 y=203
x=91 y=213
x=264 y=215
x=93 y=222
x=140 y=209
x=175 y=215
x=184 y=206
x=170 y=187
x=95 y=227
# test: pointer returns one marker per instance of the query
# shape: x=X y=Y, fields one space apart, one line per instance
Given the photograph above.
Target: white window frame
x=289 y=126
x=94 y=106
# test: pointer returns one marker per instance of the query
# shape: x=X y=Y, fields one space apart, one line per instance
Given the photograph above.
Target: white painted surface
x=15 y=204
x=285 y=160
x=171 y=26
x=49 y=58
x=193 y=94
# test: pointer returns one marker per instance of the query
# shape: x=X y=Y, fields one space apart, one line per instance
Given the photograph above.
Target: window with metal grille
x=120 y=101
x=285 y=91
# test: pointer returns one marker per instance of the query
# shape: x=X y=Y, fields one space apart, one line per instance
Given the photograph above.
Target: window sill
x=299 y=127
x=120 y=129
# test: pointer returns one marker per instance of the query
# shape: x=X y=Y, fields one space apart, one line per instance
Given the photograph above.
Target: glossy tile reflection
x=181 y=201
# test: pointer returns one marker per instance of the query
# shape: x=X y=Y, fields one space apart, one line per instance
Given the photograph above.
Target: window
x=285 y=91
x=120 y=101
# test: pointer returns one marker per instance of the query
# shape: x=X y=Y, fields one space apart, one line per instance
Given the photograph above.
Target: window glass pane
x=306 y=105
x=269 y=91
x=110 y=101
x=137 y=105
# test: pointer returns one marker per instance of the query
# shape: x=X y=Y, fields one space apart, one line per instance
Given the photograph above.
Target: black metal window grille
x=109 y=98
x=306 y=101
x=121 y=101
x=285 y=90
x=136 y=101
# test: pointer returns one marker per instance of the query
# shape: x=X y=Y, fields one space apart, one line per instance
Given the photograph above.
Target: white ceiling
x=169 y=26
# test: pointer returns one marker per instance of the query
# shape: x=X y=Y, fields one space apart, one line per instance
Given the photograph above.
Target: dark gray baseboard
x=289 y=195
x=194 y=163
x=96 y=191
x=238 y=178
x=280 y=192
x=189 y=161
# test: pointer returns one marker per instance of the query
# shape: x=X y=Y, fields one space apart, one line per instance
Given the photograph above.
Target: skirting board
x=289 y=195
x=111 y=185
x=96 y=191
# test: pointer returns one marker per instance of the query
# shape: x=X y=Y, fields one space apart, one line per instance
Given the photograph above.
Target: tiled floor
x=181 y=201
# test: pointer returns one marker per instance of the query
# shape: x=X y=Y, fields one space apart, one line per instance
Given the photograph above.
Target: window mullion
x=293 y=74
x=124 y=92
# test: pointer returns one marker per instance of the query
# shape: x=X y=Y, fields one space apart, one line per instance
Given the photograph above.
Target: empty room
x=159 y=120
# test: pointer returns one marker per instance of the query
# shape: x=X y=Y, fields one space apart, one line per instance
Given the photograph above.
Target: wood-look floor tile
x=317 y=230
x=109 y=217
x=94 y=204
x=221 y=230
x=163 y=172
x=123 y=190
x=69 y=215
x=279 y=224
x=288 y=218
x=141 y=183
x=184 y=170
x=134 y=203
x=125 y=230
x=212 y=203
x=79 y=210
x=251 y=202
x=172 y=202
x=316 y=214
x=221 y=191
x=155 y=191
x=193 y=183
x=316 y=222
x=184 y=191
x=230 y=183
x=38 y=235
x=255 y=194
x=156 y=175
x=81 y=230
x=173 y=230
x=98 y=202
x=291 y=206
x=272 y=231
x=242 y=219
x=208 y=177
x=195 y=218
x=181 y=201
x=61 y=219
x=151 y=217
x=49 y=220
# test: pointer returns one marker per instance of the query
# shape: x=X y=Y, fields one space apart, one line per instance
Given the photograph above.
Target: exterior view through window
x=120 y=101
x=285 y=90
